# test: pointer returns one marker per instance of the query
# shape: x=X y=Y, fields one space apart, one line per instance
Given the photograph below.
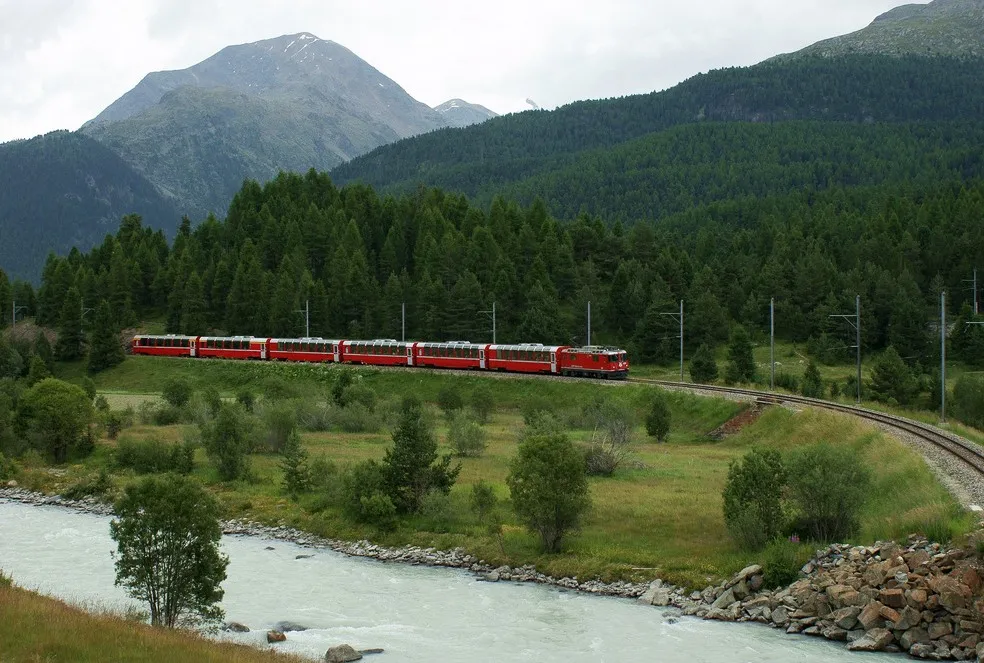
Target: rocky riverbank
x=923 y=599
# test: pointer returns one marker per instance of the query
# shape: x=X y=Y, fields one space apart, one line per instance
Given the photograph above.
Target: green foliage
x=115 y=423
x=152 y=456
x=449 y=399
x=613 y=423
x=891 y=379
x=42 y=348
x=781 y=563
x=212 y=400
x=411 y=466
x=8 y=468
x=741 y=364
x=365 y=495
x=482 y=402
x=88 y=386
x=828 y=488
x=91 y=486
x=294 y=464
x=69 y=344
x=246 y=398
x=167 y=533
x=37 y=370
x=466 y=437
x=753 y=498
x=549 y=488
x=787 y=381
x=968 y=400
x=176 y=392
x=703 y=367
x=226 y=440
x=105 y=350
x=483 y=500
x=658 y=418
x=812 y=382
x=280 y=420
x=342 y=383
x=54 y=417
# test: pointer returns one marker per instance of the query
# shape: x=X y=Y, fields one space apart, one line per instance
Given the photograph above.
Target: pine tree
x=741 y=364
x=812 y=381
x=891 y=379
x=105 y=350
x=703 y=367
x=42 y=348
x=194 y=317
x=294 y=463
x=69 y=345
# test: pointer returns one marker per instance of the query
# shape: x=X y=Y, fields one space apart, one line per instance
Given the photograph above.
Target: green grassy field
x=659 y=516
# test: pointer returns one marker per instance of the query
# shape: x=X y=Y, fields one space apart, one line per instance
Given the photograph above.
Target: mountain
x=289 y=103
x=62 y=190
x=459 y=113
x=942 y=27
x=506 y=151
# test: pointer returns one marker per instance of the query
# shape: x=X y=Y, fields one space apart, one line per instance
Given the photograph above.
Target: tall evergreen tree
x=194 y=316
x=69 y=344
x=105 y=349
x=741 y=364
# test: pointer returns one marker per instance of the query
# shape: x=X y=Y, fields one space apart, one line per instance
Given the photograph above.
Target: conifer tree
x=69 y=345
x=703 y=367
x=741 y=364
x=812 y=381
x=42 y=348
x=294 y=463
x=105 y=350
x=194 y=317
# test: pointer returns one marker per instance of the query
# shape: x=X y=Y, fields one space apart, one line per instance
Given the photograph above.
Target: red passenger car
x=380 y=352
x=167 y=346
x=524 y=358
x=304 y=349
x=454 y=354
x=593 y=361
x=232 y=347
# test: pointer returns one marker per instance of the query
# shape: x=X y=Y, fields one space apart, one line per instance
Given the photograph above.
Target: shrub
x=297 y=478
x=787 y=381
x=891 y=379
x=541 y=423
x=466 y=437
x=968 y=400
x=483 y=402
x=151 y=456
x=828 y=486
x=89 y=387
x=437 y=512
x=91 y=486
x=166 y=415
x=279 y=420
x=360 y=394
x=115 y=421
x=8 y=469
x=449 y=400
x=535 y=407
x=753 y=498
x=101 y=404
x=658 y=417
x=363 y=486
x=812 y=382
x=212 y=400
x=483 y=500
x=275 y=388
x=703 y=368
x=176 y=392
x=379 y=510
x=601 y=460
x=782 y=562
x=741 y=364
x=355 y=418
x=342 y=382
x=322 y=473
x=227 y=442
x=246 y=398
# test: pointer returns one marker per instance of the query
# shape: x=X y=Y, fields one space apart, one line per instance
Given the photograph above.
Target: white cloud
x=63 y=61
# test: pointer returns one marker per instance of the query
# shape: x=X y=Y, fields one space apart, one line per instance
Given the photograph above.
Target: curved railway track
x=969 y=453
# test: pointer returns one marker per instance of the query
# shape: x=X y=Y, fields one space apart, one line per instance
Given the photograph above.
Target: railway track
x=968 y=452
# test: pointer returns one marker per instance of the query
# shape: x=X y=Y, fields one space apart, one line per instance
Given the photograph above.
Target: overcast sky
x=63 y=61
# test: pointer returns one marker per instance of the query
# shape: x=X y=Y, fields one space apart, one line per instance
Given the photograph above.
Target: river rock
x=913 y=636
x=235 y=627
x=275 y=636
x=342 y=654
x=874 y=640
x=287 y=627
x=12 y=483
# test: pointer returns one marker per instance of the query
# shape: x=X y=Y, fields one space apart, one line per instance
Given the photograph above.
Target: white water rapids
x=414 y=613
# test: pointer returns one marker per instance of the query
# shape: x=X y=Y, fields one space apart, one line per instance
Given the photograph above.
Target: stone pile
x=922 y=599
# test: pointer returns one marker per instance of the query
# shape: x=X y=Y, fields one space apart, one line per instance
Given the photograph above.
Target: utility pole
x=403 y=322
x=589 y=324
x=943 y=356
x=307 y=318
x=973 y=290
x=679 y=318
x=492 y=315
x=856 y=323
x=13 y=311
x=772 y=344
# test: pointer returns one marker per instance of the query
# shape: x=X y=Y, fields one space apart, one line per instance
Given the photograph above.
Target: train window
x=596 y=357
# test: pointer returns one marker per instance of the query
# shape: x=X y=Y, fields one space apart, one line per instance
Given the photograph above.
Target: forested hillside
x=355 y=257
x=853 y=89
x=62 y=190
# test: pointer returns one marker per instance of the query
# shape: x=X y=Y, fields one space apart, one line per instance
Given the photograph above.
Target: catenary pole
x=772 y=344
x=943 y=356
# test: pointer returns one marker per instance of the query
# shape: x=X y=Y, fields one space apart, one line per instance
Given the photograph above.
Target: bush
x=601 y=460
x=355 y=418
x=279 y=420
x=246 y=398
x=812 y=382
x=115 y=422
x=703 y=368
x=8 y=469
x=437 y=512
x=176 y=392
x=89 y=387
x=151 y=456
x=787 y=381
x=378 y=509
x=275 y=388
x=322 y=473
x=535 y=407
x=167 y=415
x=483 y=402
x=226 y=440
x=968 y=400
x=449 y=400
x=753 y=498
x=466 y=437
x=95 y=486
x=828 y=486
x=360 y=394
x=782 y=562
x=212 y=400
x=363 y=490
x=658 y=417
x=483 y=500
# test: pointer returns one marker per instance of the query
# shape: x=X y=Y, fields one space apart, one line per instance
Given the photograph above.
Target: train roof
x=306 y=339
x=595 y=349
x=379 y=341
x=163 y=336
x=538 y=347
x=450 y=344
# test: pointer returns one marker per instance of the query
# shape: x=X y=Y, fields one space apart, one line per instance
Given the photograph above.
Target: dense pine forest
x=354 y=258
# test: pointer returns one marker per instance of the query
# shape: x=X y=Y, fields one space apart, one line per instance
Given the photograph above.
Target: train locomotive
x=536 y=358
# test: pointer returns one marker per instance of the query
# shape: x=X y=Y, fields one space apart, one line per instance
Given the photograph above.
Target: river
x=415 y=613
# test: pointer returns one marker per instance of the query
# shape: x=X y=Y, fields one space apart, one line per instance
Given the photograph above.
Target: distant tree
x=194 y=313
x=69 y=345
x=449 y=399
x=483 y=499
x=891 y=379
x=703 y=367
x=226 y=440
x=549 y=487
x=37 y=370
x=176 y=392
x=658 y=418
x=11 y=361
x=167 y=534
x=608 y=448
x=753 y=498
x=54 y=416
x=483 y=402
x=741 y=364
x=968 y=400
x=42 y=348
x=466 y=437
x=829 y=487
x=294 y=463
x=812 y=381
x=105 y=349
x=411 y=466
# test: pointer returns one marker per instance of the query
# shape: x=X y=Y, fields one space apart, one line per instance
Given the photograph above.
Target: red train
x=593 y=361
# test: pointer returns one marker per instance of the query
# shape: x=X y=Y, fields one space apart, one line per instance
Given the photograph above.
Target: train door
x=338 y=352
x=192 y=346
x=481 y=357
x=553 y=362
x=263 y=350
x=409 y=355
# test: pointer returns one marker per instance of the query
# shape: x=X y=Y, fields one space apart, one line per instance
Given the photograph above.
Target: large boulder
x=874 y=640
x=275 y=636
x=287 y=627
x=235 y=627
x=342 y=654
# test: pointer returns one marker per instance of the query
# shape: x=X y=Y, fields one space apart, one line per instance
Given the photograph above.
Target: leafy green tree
x=69 y=344
x=753 y=498
x=42 y=348
x=226 y=440
x=483 y=499
x=11 y=361
x=54 y=416
x=812 y=381
x=968 y=400
x=176 y=392
x=658 y=418
x=891 y=379
x=549 y=487
x=482 y=402
x=741 y=364
x=465 y=436
x=37 y=370
x=449 y=399
x=411 y=466
x=105 y=349
x=167 y=534
x=294 y=463
x=829 y=488
x=703 y=367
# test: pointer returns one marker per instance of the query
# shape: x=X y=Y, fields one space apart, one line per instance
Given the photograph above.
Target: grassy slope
x=38 y=628
x=659 y=516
